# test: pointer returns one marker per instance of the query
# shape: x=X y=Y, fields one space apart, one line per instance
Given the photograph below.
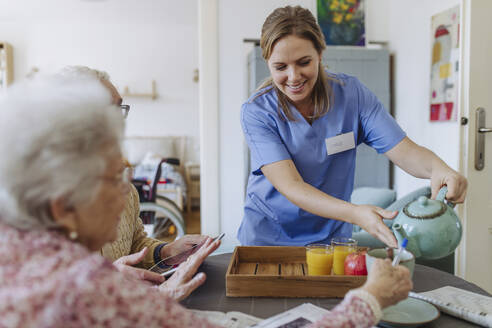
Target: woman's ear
x=63 y=215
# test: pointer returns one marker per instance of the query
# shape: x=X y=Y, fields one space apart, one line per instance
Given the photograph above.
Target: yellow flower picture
x=342 y=21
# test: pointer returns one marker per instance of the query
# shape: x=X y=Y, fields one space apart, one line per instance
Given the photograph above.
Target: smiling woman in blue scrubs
x=302 y=128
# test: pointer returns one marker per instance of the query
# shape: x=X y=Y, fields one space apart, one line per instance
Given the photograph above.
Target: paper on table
x=297 y=317
x=231 y=319
x=461 y=303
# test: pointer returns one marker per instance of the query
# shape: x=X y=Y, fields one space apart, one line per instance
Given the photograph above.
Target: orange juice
x=319 y=260
x=340 y=253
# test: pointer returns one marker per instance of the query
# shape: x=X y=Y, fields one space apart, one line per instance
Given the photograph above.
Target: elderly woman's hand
x=124 y=265
x=184 y=280
x=388 y=284
x=181 y=245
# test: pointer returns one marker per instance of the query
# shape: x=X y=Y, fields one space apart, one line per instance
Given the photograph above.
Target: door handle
x=480 y=139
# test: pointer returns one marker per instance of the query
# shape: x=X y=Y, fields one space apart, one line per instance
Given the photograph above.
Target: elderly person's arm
x=105 y=297
x=157 y=249
x=134 y=252
x=140 y=240
x=386 y=285
x=131 y=235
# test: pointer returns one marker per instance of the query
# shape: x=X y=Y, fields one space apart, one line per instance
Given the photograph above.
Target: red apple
x=355 y=264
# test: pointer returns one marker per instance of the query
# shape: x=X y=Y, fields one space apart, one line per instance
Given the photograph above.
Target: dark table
x=211 y=295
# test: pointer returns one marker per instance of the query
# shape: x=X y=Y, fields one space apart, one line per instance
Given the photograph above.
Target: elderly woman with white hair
x=62 y=190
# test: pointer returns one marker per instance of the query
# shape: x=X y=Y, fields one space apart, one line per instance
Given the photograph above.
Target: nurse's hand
x=456 y=183
x=422 y=163
x=370 y=217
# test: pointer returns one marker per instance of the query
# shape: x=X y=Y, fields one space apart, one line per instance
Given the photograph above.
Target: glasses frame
x=125 y=109
x=122 y=180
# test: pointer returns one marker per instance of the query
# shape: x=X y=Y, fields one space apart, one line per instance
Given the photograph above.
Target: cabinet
x=372 y=67
x=6 y=65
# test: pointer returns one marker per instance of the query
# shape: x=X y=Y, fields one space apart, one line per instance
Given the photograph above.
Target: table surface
x=211 y=295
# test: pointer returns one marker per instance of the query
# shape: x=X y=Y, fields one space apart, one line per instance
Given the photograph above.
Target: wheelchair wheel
x=170 y=205
x=165 y=218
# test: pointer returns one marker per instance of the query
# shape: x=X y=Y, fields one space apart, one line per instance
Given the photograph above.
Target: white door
x=474 y=258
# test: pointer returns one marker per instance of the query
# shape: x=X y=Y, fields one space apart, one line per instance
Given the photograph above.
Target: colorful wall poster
x=445 y=66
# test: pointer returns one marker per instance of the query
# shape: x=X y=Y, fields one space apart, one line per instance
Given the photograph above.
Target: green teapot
x=431 y=226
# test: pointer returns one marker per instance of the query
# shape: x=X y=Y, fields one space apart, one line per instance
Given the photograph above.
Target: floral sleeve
x=106 y=298
x=96 y=295
x=358 y=309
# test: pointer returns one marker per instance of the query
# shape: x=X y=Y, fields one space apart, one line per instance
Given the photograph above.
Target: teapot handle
x=441 y=196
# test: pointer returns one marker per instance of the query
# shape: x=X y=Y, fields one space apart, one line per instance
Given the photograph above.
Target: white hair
x=56 y=136
x=78 y=71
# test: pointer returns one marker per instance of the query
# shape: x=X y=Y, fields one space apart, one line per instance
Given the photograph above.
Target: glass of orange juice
x=319 y=258
x=342 y=246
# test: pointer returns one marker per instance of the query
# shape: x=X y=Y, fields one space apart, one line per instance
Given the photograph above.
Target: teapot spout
x=401 y=234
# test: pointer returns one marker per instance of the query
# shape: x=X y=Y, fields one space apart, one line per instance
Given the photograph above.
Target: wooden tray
x=281 y=271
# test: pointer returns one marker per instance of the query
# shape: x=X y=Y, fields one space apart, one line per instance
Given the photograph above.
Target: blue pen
x=396 y=260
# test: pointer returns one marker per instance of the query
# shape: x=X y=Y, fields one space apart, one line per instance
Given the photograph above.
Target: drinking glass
x=319 y=259
x=342 y=246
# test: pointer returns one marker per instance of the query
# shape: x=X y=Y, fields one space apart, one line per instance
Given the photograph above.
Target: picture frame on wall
x=6 y=65
x=445 y=65
x=342 y=22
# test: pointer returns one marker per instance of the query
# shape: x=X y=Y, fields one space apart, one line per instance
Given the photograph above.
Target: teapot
x=431 y=226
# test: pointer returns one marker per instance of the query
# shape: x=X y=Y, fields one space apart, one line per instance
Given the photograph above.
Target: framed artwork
x=6 y=65
x=342 y=22
x=445 y=66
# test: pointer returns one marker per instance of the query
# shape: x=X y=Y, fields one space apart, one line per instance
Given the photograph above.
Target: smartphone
x=219 y=237
x=171 y=271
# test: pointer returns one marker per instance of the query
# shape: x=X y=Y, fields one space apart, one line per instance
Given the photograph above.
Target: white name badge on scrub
x=339 y=143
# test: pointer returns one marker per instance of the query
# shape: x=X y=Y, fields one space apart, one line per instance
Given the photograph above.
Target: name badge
x=339 y=143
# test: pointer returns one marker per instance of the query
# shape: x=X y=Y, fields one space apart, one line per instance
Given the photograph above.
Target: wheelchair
x=160 y=211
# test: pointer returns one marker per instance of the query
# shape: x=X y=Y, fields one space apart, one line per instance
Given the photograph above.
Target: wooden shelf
x=153 y=95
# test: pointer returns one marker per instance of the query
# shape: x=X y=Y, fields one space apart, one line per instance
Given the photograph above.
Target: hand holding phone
x=186 y=253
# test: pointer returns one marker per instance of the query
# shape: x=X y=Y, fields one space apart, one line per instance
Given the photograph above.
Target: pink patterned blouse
x=48 y=281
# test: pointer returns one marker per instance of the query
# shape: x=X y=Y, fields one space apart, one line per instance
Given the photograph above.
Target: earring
x=73 y=235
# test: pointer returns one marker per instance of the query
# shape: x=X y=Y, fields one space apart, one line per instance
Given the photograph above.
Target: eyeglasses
x=121 y=180
x=124 y=110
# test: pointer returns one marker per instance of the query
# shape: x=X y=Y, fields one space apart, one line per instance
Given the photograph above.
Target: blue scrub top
x=269 y=217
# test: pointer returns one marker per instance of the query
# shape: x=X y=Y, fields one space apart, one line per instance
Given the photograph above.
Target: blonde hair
x=300 y=22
